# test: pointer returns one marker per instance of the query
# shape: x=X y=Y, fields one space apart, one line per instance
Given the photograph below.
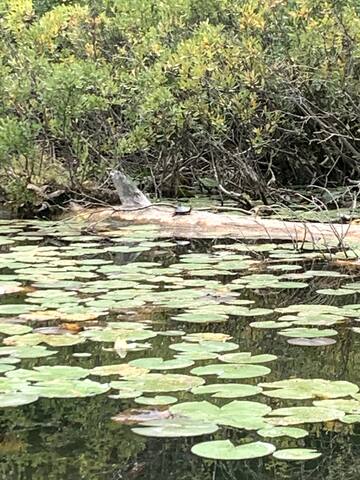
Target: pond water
x=167 y=318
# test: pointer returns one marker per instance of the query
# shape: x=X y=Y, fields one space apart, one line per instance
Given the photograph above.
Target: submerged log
x=136 y=209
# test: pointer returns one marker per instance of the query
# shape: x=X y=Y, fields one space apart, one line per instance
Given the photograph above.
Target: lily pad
x=347 y=406
x=14 y=328
x=230 y=370
x=299 y=454
x=68 y=388
x=157 y=363
x=246 y=357
x=47 y=372
x=227 y=390
x=15 y=399
x=312 y=342
x=122 y=369
x=226 y=450
x=300 y=415
x=157 y=400
x=301 y=389
x=200 y=317
x=157 y=382
x=175 y=428
x=204 y=347
x=308 y=332
x=275 y=432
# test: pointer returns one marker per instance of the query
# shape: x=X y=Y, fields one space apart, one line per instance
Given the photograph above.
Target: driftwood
x=203 y=224
x=136 y=209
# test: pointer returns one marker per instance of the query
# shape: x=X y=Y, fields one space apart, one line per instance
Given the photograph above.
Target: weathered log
x=205 y=224
x=136 y=209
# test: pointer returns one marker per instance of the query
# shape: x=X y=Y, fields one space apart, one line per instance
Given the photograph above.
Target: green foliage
x=243 y=92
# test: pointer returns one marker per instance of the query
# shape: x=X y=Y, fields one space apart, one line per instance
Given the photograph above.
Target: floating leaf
x=157 y=363
x=207 y=336
x=270 y=324
x=157 y=400
x=47 y=372
x=68 y=388
x=157 y=382
x=301 y=389
x=16 y=399
x=308 y=332
x=114 y=334
x=300 y=415
x=227 y=390
x=204 y=347
x=122 y=369
x=299 y=454
x=200 y=317
x=232 y=370
x=226 y=450
x=175 y=428
x=347 y=406
x=275 y=432
x=311 y=342
x=246 y=357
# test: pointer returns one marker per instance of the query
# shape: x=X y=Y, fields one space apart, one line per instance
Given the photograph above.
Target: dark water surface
x=75 y=438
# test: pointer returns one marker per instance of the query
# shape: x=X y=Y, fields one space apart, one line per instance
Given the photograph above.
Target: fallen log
x=136 y=209
x=205 y=224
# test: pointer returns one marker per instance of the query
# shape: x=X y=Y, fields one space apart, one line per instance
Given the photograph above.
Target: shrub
x=250 y=93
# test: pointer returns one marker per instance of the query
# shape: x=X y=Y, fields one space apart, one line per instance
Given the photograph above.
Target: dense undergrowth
x=183 y=94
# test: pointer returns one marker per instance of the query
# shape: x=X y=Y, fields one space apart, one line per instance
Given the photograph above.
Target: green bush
x=251 y=93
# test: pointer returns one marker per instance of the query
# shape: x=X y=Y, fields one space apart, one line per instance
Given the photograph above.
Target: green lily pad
x=308 y=332
x=15 y=399
x=35 y=351
x=206 y=337
x=270 y=324
x=300 y=415
x=157 y=363
x=347 y=406
x=335 y=291
x=157 y=382
x=230 y=370
x=299 y=454
x=301 y=389
x=157 y=400
x=246 y=357
x=6 y=368
x=16 y=309
x=226 y=450
x=200 y=317
x=238 y=414
x=204 y=347
x=47 y=372
x=14 y=328
x=227 y=390
x=122 y=369
x=275 y=432
x=175 y=428
x=68 y=388
x=350 y=419
x=33 y=339
x=113 y=334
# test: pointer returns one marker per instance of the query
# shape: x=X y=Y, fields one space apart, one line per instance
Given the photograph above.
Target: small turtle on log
x=182 y=210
